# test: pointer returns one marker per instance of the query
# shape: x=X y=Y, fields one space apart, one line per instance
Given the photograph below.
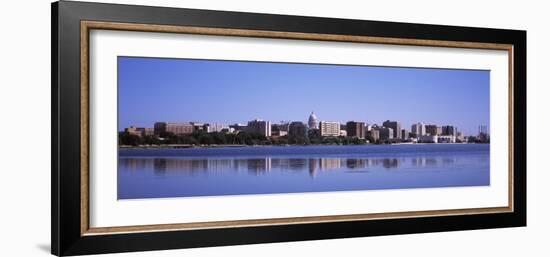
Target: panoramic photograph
x=192 y=127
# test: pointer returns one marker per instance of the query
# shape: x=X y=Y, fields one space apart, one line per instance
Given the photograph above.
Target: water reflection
x=259 y=166
x=231 y=171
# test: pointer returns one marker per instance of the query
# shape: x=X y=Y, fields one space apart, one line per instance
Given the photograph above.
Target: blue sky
x=181 y=90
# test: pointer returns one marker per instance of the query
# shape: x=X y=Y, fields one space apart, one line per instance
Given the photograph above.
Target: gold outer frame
x=86 y=26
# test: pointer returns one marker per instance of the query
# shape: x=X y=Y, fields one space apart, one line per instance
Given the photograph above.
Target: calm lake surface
x=153 y=173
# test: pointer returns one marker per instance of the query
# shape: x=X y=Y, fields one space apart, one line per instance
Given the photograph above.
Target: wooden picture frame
x=71 y=25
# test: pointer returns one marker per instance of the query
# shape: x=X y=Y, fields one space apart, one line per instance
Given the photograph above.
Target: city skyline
x=228 y=92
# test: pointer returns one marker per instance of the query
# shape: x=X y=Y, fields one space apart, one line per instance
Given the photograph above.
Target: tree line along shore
x=202 y=138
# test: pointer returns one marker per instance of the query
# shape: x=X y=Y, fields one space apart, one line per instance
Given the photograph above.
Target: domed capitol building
x=312 y=122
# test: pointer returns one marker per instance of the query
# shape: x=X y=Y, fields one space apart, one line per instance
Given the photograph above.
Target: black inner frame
x=65 y=167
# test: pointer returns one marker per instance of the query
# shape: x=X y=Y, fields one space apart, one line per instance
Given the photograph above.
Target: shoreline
x=183 y=146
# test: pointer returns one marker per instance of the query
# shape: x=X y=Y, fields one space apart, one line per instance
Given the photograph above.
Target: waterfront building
x=281 y=127
x=483 y=134
x=418 y=129
x=238 y=127
x=437 y=139
x=385 y=133
x=355 y=129
x=459 y=136
x=259 y=127
x=329 y=128
x=373 y=135
x=343 y=126
x=228 y=130
x=343 y=133
x=173 y=127
x=139 y=131
x=198 y=125
x=404 y=134
x=433 y=130
x=297 y=129
x=483 y=129
x=278 y=133
x=395 y=126
x=312 y=121
x=449 y=130
x=428 y=139
x=133 y=131
x=314 y=134
x=446 y=139
x=216 y=127
x=279 y=130
x=148 y=131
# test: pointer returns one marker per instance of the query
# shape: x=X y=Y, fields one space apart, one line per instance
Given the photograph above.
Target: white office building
x=419 y=129
x=329 y=128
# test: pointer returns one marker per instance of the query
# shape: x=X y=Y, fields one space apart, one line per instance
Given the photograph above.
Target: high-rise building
x=385 y=133
x=483 y=134
x=418 y=129
x=261 y=127
x=355 y=129
x=395 y=126
x=482 y=129
x=368 y=127
x=448 y=130
x=433 y=130
x=172 y=127
x=404 y=134
x=343 y=126
x=297 y=129
x=329 y=128
x=373 y=135
x=312 y=121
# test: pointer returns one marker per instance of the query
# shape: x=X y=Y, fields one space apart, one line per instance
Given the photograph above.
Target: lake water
x=153 y=173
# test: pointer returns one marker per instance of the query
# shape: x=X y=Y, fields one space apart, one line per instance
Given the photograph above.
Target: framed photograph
x=178 y=128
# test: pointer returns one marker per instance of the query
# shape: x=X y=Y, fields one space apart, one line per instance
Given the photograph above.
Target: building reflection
x=264 y=165
x=134 y=164
x=258 y=166
x=313 y=163
x=390 y=163
x=330 y=163
x=356 y=163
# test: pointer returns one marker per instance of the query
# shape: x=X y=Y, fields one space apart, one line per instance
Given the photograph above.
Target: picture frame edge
x=64 y=240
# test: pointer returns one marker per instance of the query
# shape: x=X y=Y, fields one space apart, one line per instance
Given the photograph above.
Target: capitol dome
x=312 y=122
